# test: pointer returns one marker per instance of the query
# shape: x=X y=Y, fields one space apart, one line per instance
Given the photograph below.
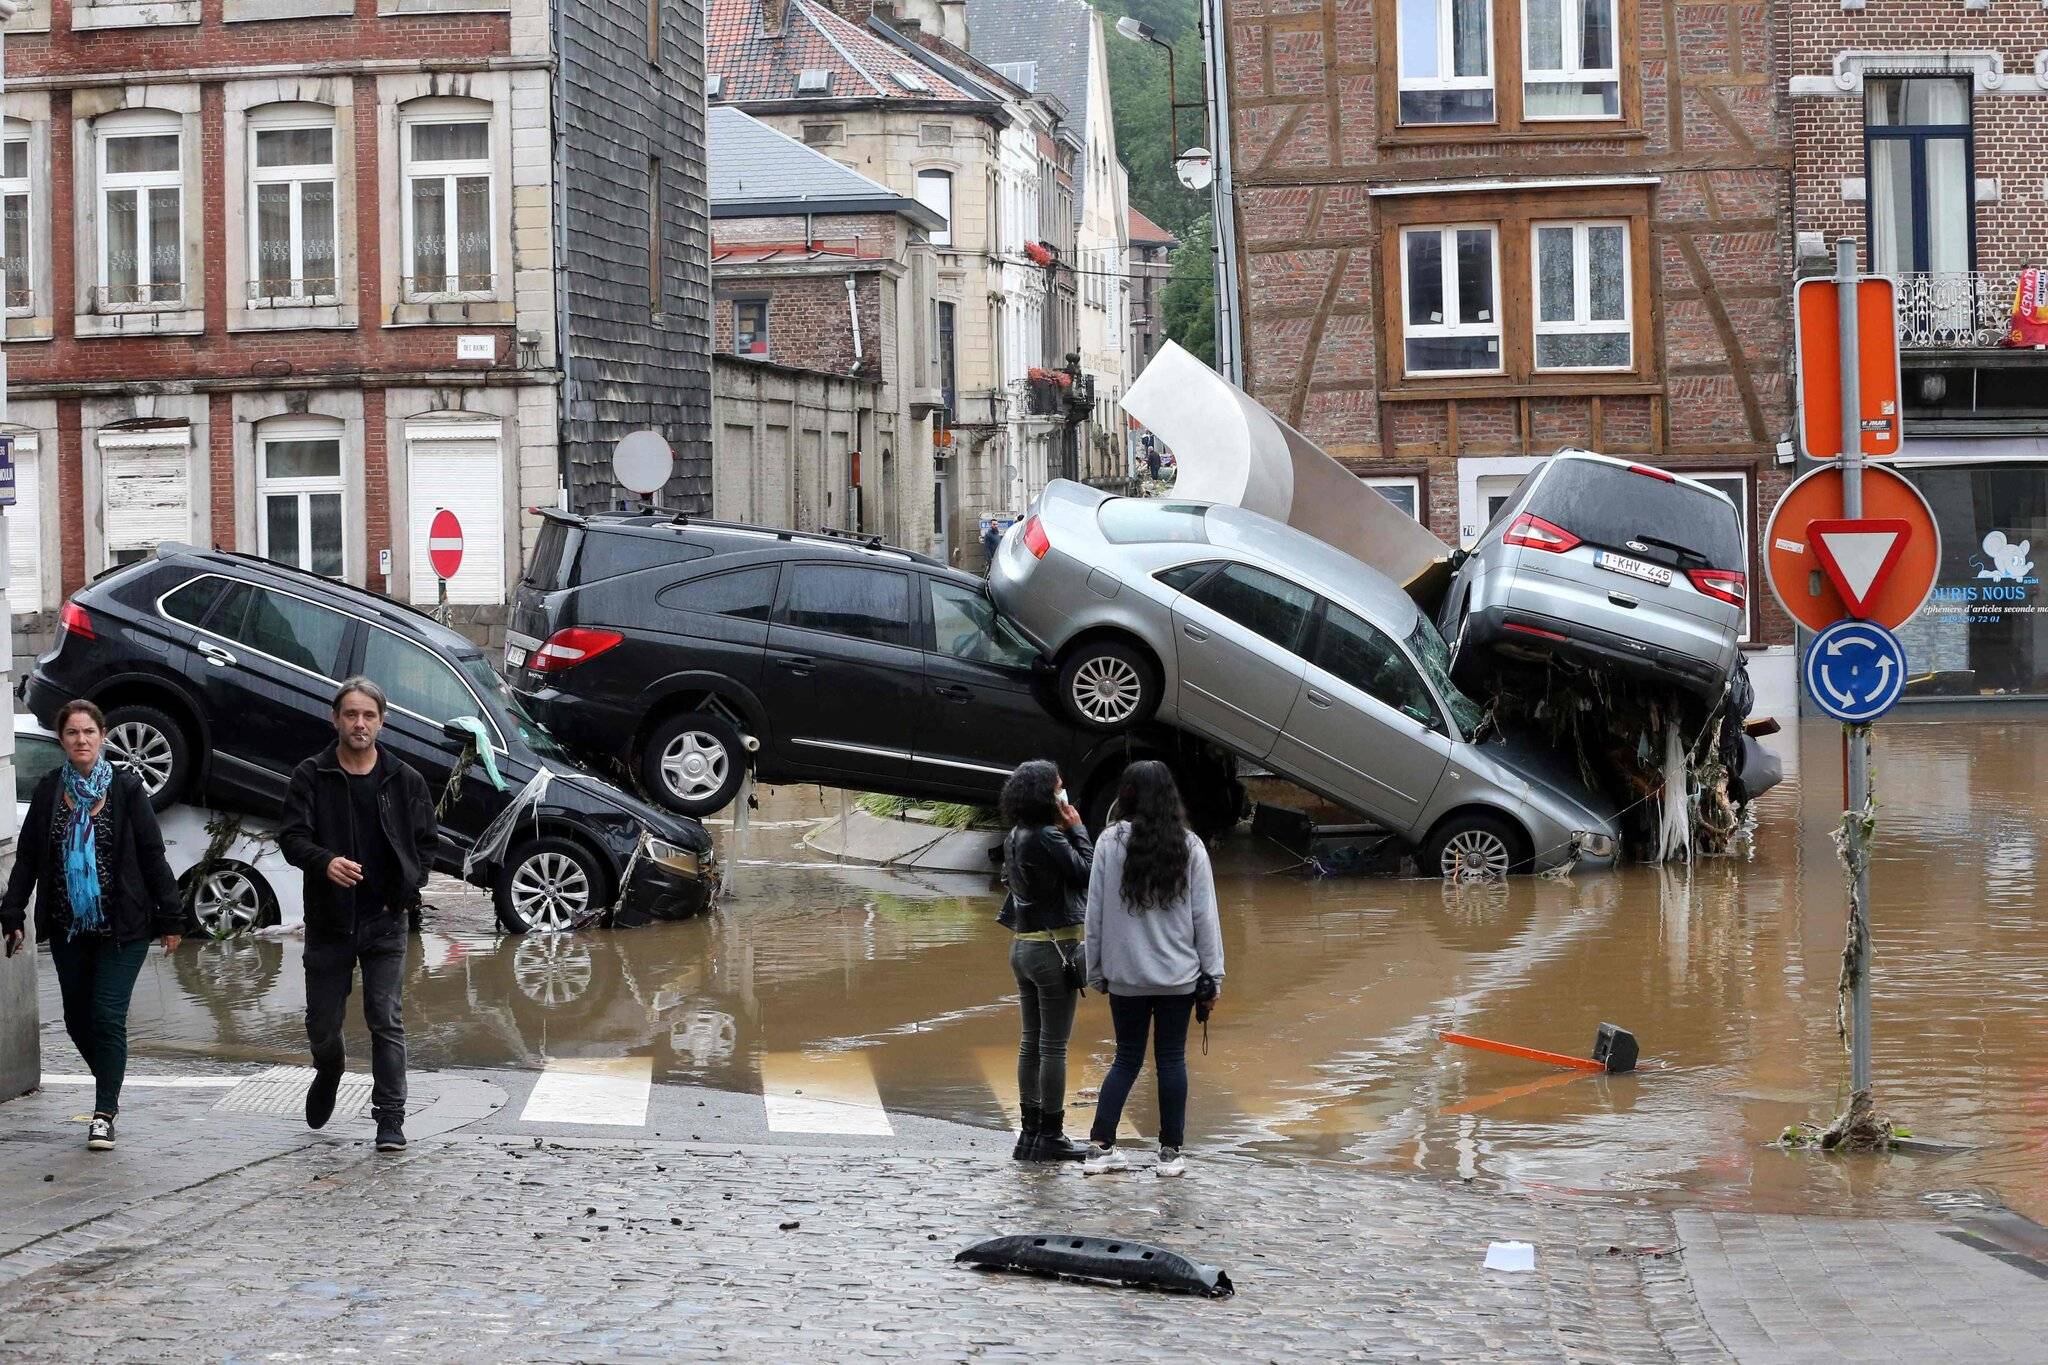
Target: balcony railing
x=1955 y=310
x=157 y=295
x=464 y=285
x=282 y=293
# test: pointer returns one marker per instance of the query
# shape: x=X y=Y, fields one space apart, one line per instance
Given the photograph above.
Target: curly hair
x=1028 y=795
x=1156 y=848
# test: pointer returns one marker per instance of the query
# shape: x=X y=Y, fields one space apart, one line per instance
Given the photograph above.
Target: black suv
x=217 y=674
x=687 y=649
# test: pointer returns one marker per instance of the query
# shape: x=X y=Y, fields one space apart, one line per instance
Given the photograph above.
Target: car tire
x=693 y=763
x=155 y=748
x=1474 y=844
x=547 y=884
x=231 y=899
x=1107 y=686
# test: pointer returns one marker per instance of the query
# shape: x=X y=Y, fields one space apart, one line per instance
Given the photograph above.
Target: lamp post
x=1143 y=33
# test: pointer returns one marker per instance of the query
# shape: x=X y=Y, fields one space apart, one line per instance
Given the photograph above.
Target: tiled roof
x=754 y=67
x=755 y=170
x=1143 y=229
x=1054 y=34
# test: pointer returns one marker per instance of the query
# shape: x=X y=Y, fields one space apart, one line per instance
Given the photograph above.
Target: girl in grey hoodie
x=1152 y=931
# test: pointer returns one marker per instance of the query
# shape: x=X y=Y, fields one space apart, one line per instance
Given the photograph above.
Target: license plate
x=1634 y=568
x=515 y=657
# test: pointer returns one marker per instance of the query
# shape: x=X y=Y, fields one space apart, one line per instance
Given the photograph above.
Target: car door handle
x=797 y=664
x=1316 y=698
x=215 y=655
x=1622 y=599
x=953 y=692
x=1195 y=633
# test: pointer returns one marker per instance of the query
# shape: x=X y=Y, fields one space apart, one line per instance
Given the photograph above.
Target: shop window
x=1582 y=296
x=299 y=495
x=141 y=202
x=1984 y=630
x=459 y=465
x=448 y=204
x=935 y=192
x=750 y=327
x=145 y=491
x=1570 y=64
x=1446 y=54
x=291 y=208
x=1920 y=185
x=1448 y=279
x=16 y=238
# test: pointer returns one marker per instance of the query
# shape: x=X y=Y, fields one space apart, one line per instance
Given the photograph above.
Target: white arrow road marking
x=1859 y=555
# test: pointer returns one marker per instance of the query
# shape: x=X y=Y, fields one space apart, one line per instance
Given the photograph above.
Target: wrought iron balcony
x=1955 y=310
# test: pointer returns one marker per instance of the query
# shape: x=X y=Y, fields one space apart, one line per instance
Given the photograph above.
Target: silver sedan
x=1291 y=654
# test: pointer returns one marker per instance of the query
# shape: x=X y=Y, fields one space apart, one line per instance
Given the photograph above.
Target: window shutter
x=466 y=476
x=25 y=532
x=146 y=492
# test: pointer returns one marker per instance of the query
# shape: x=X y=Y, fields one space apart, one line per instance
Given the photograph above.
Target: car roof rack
x=831 y=535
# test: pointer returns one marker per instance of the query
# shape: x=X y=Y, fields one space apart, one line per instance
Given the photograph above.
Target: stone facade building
x=1471 y=232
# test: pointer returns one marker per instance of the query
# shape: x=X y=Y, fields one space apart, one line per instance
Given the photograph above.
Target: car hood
x=587 y=791
x=1549 y=770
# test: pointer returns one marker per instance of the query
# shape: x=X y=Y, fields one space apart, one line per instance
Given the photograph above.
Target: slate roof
x=757 y=172
x=754 y=67
x=1148 y=233
x=1053 y=33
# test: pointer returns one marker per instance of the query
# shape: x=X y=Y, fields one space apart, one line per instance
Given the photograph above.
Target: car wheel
x=230 y=899
x=693 y=763
x=547 y=885
x=151 y=745
x=1474 y=846
x=1107 y=686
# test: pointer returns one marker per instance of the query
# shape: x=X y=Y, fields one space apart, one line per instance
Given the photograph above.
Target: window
x=298 y=496
x=750 y=327
x=1447 y=284
x=845 y=599
x=291 y=211
x=24 y=527
x=965 y=625
x=35 y=758
x=1570 y=66
x=747 y=594
x=288 y=629
x=1981 y=633
x=191 y=602
x=145 y=491
x=142 y=247
x=14 y=215
x=608 y=556
x=1446 y=61
x=459 y=465
x=935 y=192
x=1358 y=653
x=1920 y=191
x=1582 y=296
x=949 y=373
x=1184 y=576
x=1404 y=491
x=1263 y=603
x=417 y=679
x=1147 y=521
x=448 y=206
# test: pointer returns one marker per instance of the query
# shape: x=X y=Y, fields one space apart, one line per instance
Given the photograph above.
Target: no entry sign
x=444 y=544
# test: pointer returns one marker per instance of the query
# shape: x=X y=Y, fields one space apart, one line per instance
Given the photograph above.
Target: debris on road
x=1132 y=1264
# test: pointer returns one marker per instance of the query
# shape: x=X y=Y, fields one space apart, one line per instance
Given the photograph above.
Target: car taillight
x=1538 y=534
x=1035 y=538
x=572 y=646
x=1536 y=631
x=1726 y=584
x=1647 y=472
x=75 y=620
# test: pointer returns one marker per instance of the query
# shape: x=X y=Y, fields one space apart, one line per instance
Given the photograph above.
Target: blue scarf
x=81 y=856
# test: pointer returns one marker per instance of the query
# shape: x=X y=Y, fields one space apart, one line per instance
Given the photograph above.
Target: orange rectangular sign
x=1817 y=327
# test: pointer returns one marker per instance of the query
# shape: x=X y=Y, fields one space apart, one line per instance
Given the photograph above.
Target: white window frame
x=937 y=176
x=21 y=187
x=297 y=177
x=1411 y=482
x=301 y=489
x=1582 y=323
x=1743 y=513
x=1452 y=303
x=1446 y=60
x=141 y=183
x=1570 y=18
x=481 y=541
x=449 y=173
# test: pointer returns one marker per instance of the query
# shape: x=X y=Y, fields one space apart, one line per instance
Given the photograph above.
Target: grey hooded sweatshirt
x=1158 y=950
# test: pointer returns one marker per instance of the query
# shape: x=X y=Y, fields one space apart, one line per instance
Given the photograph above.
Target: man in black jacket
x=360 y=824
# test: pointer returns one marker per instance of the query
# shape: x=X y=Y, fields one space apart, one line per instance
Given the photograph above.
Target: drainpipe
x=1229 y=337
x=853 y=320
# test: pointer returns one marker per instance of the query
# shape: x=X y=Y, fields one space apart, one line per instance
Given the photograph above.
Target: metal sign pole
x=1857 y=835
x=441 y=604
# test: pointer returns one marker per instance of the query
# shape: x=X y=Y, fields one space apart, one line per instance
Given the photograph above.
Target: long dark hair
x=1156 y=849
x=1027 y=796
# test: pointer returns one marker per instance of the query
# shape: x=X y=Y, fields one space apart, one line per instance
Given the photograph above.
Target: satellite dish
x=643 y=462
x=1195 y=168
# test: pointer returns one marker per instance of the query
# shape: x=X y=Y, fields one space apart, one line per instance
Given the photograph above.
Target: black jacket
x=319 y=821
x=143 y=902
x=1046 y=870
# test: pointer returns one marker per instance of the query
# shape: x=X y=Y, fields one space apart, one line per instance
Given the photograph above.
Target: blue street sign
x=1855 y=670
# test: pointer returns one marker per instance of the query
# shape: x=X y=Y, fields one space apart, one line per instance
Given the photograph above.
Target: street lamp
x=1143 y=33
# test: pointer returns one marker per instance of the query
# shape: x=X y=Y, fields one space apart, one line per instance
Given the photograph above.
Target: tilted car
x=669 y=645
x=217 y=674
x=1290 y=653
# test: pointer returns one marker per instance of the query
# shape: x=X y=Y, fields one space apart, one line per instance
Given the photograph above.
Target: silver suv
x=1610 y=563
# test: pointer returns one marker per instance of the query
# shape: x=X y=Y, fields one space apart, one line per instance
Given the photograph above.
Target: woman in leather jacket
x=1046 y=857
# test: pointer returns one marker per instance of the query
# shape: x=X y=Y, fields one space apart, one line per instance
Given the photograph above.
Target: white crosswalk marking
x=609 y=1092
x=822 y=1093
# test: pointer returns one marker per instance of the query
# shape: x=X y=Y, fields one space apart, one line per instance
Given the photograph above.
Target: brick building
x=288 y=275
x=1470 y=232
x=1919 y=130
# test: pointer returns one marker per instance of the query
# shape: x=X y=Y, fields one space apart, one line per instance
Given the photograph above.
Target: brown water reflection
x=1325 y=1042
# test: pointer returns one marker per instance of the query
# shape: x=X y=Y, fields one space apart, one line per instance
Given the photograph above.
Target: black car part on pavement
x=1134 y=1264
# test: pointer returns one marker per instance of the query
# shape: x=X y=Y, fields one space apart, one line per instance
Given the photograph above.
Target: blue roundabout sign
x=1855 y=670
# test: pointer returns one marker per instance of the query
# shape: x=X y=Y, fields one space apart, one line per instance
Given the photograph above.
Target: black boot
x=1053 y=1142
x=1027 y=1141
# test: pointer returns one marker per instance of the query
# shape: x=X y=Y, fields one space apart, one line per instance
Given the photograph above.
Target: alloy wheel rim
x=142 y=749
x=226 y=903
x=1475 y=853
x=1107 y=689
x=694 y=765
x=549 y=891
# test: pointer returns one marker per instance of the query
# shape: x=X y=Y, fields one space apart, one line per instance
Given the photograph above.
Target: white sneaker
x=1103 y=1160
x=1172 y=1165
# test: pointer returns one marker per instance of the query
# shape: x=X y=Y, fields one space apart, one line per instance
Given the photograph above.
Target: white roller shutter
x=145 y=491
x=25 y=531
x=463 y=471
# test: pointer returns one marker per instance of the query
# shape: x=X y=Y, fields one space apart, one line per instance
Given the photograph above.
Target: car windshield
x=1672 y=523
x=498 y=695
x=1142 y=521
x=1428 y=648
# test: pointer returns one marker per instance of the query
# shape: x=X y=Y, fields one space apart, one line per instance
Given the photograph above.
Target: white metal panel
x=25 y=531
x=146 y=495
x=468 y=478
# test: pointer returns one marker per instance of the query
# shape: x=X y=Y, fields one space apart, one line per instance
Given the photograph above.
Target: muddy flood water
x=1325 y=1043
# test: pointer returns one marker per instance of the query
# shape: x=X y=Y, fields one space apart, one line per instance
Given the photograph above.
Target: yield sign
x=1859 y=555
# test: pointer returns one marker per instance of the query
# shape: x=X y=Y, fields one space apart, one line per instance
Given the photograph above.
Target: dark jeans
x=1048 y=1023
x=1165 y=1017
x=96 y=977
x=331 y=960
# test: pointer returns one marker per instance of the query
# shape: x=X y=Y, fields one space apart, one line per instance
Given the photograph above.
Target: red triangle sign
x=1858 y=555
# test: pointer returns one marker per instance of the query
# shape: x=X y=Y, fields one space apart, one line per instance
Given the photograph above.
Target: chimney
x=773 y=12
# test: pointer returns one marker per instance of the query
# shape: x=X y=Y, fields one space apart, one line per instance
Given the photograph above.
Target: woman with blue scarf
x=92 y=856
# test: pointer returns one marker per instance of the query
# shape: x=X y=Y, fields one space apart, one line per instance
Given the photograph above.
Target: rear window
x=607 y=555
x=1142 y=521
x=1610 y=505
x=548 y=570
